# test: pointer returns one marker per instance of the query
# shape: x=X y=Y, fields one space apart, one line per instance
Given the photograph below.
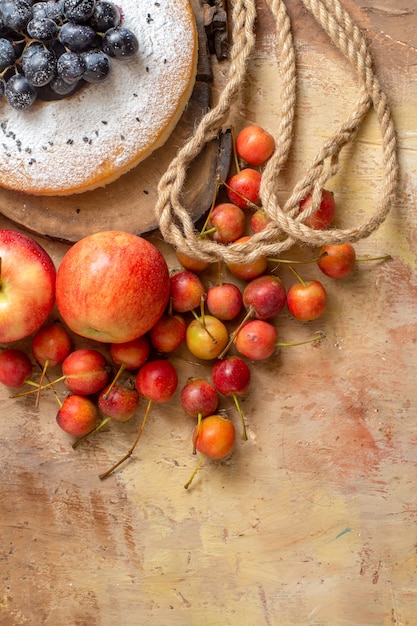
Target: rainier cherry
x=156 y=381
x=324 y=214
x=243 y=188
x=231 y=377
x=15 y=368
x=215 y=439
x=254 y=145
x=206 y=337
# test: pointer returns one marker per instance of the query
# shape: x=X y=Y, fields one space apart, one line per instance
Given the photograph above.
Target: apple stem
x=297 y=275
x=197 y=431
x=135 y=443
x=90 y=432
x=249 y=203
x=319 y=336
x=242 y=417
x=115 y=379
x=387 y=257
x=232 y=337
x=197 y=467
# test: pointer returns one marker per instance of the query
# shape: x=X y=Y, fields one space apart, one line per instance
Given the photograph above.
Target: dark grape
x=38 y=65
x=7 y=54
x=97 y=66
x=55 y=10
x=16 y=13
x=2 y=87
x=42 y=28
x=78 y=10
x=19 y=92
x=120 y=43
x=61 y=88
x=39 y=9
x=70 y=67
x=106 y=15
x=77 y=37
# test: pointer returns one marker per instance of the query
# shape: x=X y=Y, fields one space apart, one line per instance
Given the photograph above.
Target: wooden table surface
x=312 y=522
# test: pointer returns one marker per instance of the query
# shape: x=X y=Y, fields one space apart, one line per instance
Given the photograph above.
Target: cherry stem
x=233 y=335
x=115 y=379
x=242 y=417
x=90 y=432
x=197 y=467
x=135 y=443
x=39 y=389
x=297 y=275
x=202 y=321
x=30 y=391
x=320 y=335
x=249 y=203
x=197 y=431
x=387 y=257
x=295 y=262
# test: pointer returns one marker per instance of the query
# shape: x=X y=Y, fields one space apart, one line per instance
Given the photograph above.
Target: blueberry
x=120 y=43
x=19 y=92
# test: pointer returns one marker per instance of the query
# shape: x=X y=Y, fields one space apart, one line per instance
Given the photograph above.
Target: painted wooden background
x=313 y=521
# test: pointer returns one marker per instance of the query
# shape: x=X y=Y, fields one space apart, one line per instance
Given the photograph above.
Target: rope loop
x=286 y=227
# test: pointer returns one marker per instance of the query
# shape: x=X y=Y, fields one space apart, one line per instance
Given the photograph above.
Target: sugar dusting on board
x=69 y=145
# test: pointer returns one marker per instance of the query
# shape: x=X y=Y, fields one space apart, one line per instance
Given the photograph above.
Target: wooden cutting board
x=128 y=203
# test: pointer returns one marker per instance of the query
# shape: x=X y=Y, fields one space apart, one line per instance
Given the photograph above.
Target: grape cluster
x=50 y=48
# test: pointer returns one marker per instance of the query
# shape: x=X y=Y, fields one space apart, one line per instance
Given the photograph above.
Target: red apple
x=27 y=286
x=112 y=286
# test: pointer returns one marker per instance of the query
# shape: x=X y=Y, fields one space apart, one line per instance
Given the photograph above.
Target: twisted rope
x=286 y=227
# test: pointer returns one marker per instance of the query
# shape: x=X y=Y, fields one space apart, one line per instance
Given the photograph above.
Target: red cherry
x=259 y=220
x=15 y=368
x=229 y=221
x=224 y=301
x=256 y=340
x=231 y=377
x=307 y=301
x=254 y=145
x=339 y=260
x=85 y=371
x=168 y=333
x=250 y=270
x=186 y=291
x=78 y=415
x=191 y=263
x=243 y=188
x=324 y=214
x=265 y=295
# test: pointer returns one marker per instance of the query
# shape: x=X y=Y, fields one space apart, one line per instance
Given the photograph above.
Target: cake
x=91 y=138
